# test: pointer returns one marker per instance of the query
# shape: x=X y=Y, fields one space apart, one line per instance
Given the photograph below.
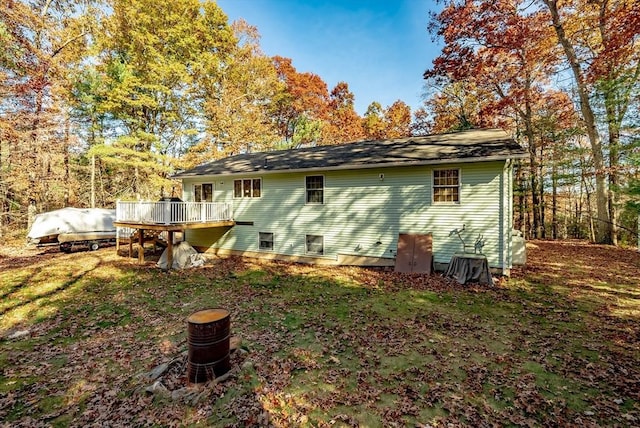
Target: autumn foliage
x=104 y=99
x=560 y=76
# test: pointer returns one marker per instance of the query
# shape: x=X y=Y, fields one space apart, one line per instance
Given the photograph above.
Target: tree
x=42 y=42
x=502 y=51
x=344 y=124
x=421 y=124
x=301 y=109
x=158 y=62
x=607 y=53
x=238 y=111
x=373 y=122
x=456 y=105
x=397 y=118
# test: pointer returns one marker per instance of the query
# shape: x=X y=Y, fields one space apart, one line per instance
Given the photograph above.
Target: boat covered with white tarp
x=69 y=226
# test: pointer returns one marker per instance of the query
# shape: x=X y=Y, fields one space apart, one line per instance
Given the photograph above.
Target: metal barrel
x=208 y=337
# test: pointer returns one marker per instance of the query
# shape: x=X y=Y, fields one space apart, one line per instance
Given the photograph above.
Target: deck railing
x=170 y=212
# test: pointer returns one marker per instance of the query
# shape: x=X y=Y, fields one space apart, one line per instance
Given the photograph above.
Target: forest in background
x=102 y=100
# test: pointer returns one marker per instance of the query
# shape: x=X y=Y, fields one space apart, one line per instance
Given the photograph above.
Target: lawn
x=557 y=344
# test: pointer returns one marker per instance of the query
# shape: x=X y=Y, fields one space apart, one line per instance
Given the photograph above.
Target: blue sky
x=380 y=48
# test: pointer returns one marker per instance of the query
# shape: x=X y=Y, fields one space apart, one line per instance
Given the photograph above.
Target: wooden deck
x=170 y=229
x=170 y=217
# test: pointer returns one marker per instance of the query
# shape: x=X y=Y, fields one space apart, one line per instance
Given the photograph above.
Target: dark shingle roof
x=465 y=146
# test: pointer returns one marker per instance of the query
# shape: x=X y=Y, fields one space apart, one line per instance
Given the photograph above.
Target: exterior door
x=414 y=253
x=203 y=192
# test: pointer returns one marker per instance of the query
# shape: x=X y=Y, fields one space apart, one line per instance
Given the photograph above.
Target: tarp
x=184 y=256
x=71 y=220
x=469 y=267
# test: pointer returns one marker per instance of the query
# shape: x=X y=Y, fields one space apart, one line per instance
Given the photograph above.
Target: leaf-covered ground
x=558 y=344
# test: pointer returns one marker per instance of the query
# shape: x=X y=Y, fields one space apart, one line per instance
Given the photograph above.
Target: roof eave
x=358 y=166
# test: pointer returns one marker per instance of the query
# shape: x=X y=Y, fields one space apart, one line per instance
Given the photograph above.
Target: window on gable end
x=314 y=185
x=446 y=186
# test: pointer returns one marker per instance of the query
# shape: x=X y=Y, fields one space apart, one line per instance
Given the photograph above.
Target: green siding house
x=348 y=203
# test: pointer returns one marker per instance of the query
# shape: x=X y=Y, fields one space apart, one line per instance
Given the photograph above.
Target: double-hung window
x=314 y=185
x=446 y=185
x=247 y=188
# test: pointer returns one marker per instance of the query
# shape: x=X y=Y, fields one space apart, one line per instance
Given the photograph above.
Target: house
x=351 y=203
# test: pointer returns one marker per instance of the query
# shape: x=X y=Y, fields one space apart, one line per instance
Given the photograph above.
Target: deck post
x=141 y=246
x=170 y=250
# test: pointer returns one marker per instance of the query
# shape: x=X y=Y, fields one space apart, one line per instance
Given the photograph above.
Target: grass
x=556 y=344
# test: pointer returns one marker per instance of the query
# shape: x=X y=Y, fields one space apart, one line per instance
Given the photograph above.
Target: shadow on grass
x=325 y=346
x=47 y=278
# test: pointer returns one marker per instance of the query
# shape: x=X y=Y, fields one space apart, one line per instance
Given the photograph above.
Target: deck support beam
x=170 y=229
x=170 y=250
x=141 y=246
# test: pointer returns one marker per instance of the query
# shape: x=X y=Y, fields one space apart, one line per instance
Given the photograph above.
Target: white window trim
x=306 y=248
x=324 y=187
x=233 y=188
x=433 y=187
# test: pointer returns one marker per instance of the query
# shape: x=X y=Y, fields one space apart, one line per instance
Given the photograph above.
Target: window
x=247 y=188
x=446 y=185
x=203 y=192
x=315 y=244
x=315 y=189
x=265 y=241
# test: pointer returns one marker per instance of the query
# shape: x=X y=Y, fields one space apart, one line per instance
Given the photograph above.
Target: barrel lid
x=208 y=315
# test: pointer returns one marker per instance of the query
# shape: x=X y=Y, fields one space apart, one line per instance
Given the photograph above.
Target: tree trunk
x=33 y=194
x=614 y=160
x=521 y=201
x=533 y=166
x=67 y=172
x=554 y=201
x=592 y=232
x=603 y=230
x=93 y=181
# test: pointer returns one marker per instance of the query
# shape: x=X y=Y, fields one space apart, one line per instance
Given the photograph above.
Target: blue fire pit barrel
x=208 y=337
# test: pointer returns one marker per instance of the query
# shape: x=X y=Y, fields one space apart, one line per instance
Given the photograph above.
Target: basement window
x=314 y=245
x=446 y=186
x=265 y=241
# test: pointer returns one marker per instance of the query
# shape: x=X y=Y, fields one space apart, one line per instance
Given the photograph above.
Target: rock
x=184 y=393
x=18 y=334
x=247 y=365
x=158 y=371
x=234 y=343
x=157 y=388
x=222 y=378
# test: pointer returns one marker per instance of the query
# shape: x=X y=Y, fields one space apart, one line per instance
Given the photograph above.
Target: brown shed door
x=414 y=253
x=404 y=256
